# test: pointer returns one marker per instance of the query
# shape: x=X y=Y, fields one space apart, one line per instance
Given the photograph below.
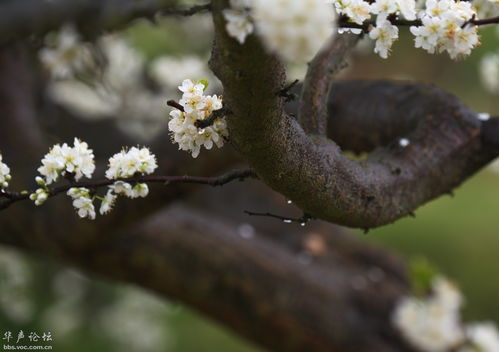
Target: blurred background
x=459 y=234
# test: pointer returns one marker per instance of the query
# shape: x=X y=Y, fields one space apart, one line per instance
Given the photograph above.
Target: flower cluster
x=196 y=106
x=293 y=29
x=239 y=24
x=433 y=324
x=76 y=162
x=39 y=196
x=112 y=83
x=67 y=56
x=4 y=174
x=444 y=24
x=82 y=202
x=127 y=164
x=63 y=161
x=445 y=28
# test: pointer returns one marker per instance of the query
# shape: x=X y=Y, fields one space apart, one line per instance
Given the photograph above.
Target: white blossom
x=431 y=324
x=445 y=27
x=239 y=24
x=67 y=56
x=39 y=197
x=464 y=41
x=125 y=64
x=123 y=188
x=385 y=8
x=295 y=30
x=128 y=163
x=357 y=10
x=82 y=202
x=482 y=337
x=116 y=89
x=197 y=106
x=77 y=161
x=139 y=190
x=107 y=203
x=5 y=176
x=385 y=34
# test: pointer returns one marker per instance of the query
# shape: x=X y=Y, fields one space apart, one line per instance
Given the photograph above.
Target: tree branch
x=445 y=147
x=312 y=112
x=242 y=174
x=364 y=115
x=21 y=18
x=262 y=290
x=344 y=22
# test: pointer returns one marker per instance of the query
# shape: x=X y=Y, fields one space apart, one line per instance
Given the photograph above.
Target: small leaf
x=204 y=82
x=422 y=273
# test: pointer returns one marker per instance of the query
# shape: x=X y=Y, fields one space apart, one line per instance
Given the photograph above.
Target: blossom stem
x=238 y=174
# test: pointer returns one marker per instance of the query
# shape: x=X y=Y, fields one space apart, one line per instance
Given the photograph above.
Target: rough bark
x=445 y=147
x=265 y=291
x=313 y=111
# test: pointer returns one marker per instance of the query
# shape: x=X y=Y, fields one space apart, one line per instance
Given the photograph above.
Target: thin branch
x=175 y=105
x=210 y=120
x=344 y=22
x=186 y=12
x=207 y=122
x=286 y=91
x=22 y=18
x=302 y=220
x=240 y=174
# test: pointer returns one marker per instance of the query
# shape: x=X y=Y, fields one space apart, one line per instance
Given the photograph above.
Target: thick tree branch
x=364 y=115
x=262 y=290
x=21 y=18
x=445 y=147
x=312 y=112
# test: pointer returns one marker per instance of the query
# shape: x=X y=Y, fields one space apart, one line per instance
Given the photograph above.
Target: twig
x=302 y=220
x=175 y=105
x=285 y=92
x=344 y=22
x=211 y=119
x=239 y=174
x=22 y=18
x=194 y=10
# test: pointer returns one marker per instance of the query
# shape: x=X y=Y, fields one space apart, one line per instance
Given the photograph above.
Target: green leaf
x=422 y=273
x=204 y=82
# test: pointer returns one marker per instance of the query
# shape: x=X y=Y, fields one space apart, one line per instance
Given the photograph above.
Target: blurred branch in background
x=22 y=18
